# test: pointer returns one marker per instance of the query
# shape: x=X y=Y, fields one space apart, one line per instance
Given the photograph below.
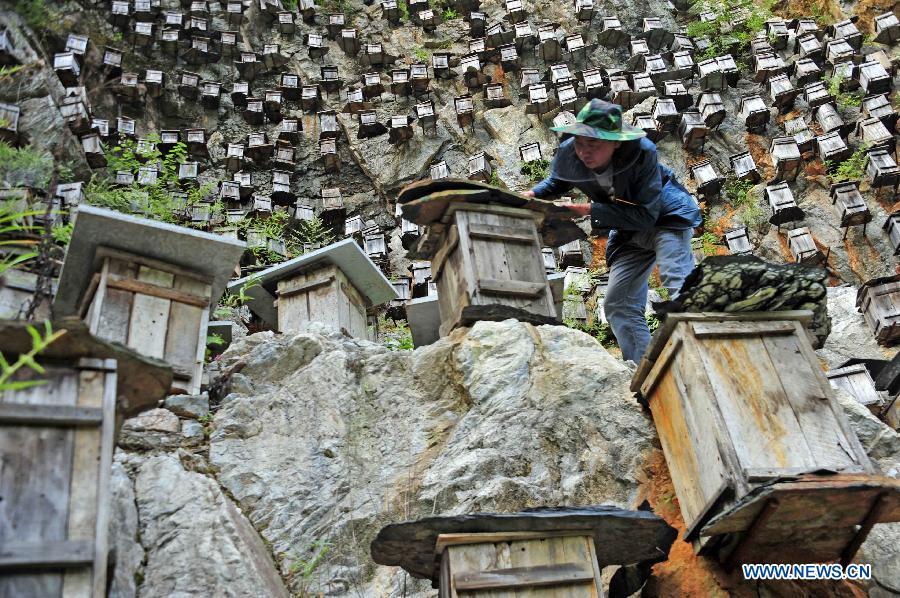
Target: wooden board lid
x=620 y=536
x=141 y=381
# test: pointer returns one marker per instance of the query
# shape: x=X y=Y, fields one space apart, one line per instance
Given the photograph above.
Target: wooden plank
x=472 y=558
x=185 y=334
x=459 y=539
x=305 y=286
x=49 y=415
x=513 y=234
x=531 y=553
x=104 y=494
x=808 y=398
x=716 y=329
x=155 y=290
x=674 y=433
x=757 y=413
x=84 y=491
x=854 y=445
x=149 y=316
x=114 y=306
x=660 y=365
x=45 y=555
x=516 y=288
x=146 y=262
x=517 y=577
x=447 y=247
x=35 y=469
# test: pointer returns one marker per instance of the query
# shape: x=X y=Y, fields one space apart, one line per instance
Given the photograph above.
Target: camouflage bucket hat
x=601 y=120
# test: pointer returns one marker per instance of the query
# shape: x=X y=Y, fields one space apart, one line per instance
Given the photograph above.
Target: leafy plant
x=851 y=169
x=230 y=301
x=536 y=170
x=35 y=12
x=396 y=334
x=735 y=25
x=449 y=14
x=25 y=167
x=305 y=569
x=421 y=54
x=403 y=7
x=39 y=342
x=9 y=71
x=13 y=227
x=844 y=99
x=311 y=231
x=62 y=233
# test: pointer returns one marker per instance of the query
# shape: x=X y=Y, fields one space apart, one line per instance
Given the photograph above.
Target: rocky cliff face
x=318 y=440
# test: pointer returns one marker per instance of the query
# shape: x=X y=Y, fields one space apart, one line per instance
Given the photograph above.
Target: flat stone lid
x=206 y=254
x=620 y=536
x=362 y=272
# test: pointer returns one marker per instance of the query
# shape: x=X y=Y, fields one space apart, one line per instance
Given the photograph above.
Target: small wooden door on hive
x=56 y=446
x=491 y=255
x=522 y=564
x=323 y=295
x=157 y=309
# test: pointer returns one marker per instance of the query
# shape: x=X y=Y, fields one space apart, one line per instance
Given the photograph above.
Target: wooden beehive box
x=146 y=285
x=879 y=301
x=738 y=241
x=786 y=158
x=849 y=201
x=784 y=206
x=831 y=148
x=892 y=227
x=486 y=257
x=754 y=112
x=744 y=167
x=709 y=182
x=882 y=169
x=887 y=28
x=747 y=420
x=544 y=552
x=334 y=285
x=803 y=247
x=711 y=108
x=56 y=445
x=856 y=380
x=693 y=130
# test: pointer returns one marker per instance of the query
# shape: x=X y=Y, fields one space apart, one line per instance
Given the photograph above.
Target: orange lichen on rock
x=759 y=149
x=598 y=253
x=686 y=574
x=829 y=10
x=867 y=10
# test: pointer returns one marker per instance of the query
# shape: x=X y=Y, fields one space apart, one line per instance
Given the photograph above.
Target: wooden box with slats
x=158 y=309
x=490 y=255
x=879 y=301
x=526 y=564
x=749 y=424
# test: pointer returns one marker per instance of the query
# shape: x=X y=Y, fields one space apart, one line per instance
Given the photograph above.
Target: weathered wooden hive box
x=334 y=285
x=485 y=250
x=764 y=462
x=146 y=285
x=56 y=447
x=539 y=553
x=879 y=301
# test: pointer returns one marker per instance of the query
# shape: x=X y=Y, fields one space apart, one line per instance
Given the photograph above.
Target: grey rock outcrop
x=193 y=406
x=198 y=543
x=351 y=436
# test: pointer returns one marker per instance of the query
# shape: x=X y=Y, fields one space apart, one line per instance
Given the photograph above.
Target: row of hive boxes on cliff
x=763 y=459
x=146 y=285
x=56 y=447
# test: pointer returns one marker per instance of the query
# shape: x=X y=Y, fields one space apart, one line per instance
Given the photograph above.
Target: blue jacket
x=653 y=198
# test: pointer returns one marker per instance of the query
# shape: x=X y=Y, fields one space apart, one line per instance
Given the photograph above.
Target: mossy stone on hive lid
x=620 y=537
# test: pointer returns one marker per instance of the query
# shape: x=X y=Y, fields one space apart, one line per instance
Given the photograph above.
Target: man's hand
x=528 y=193
x=579 y=209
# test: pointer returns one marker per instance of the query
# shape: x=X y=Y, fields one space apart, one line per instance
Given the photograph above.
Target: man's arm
x=550 y=187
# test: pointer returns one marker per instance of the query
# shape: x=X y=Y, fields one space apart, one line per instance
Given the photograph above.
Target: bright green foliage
x=725 y=38
x=851 y=169
x=155 y=201
x=35 y=12
x=39 y=342
x=421 y=55
x=395 y=334
x=449 y=14
x=305 y=569
x=536 y=171
x=404 y=9
x=844 y=99
x=25 y=167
